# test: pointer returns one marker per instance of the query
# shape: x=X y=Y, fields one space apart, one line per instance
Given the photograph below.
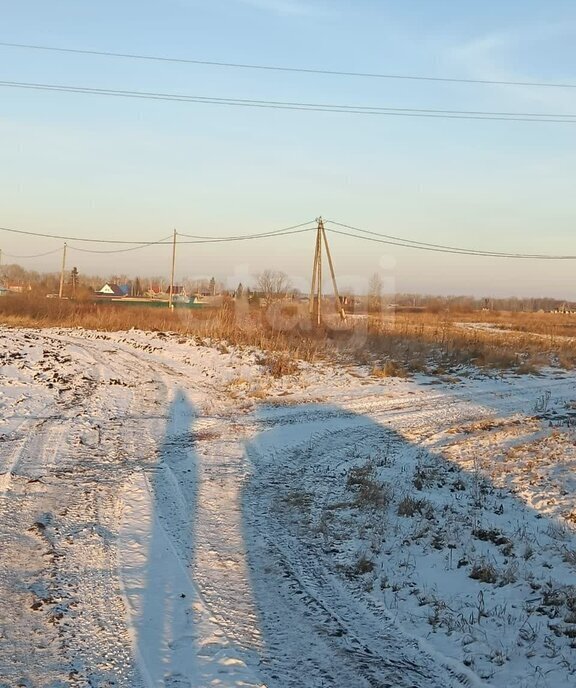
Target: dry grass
x=403 y=344
x=370 y=492
x=409 y=507
x=551 y=325
x=389 y=369
x=217 y=325
x=278 y=364
x=484 y=571
x=521 y=341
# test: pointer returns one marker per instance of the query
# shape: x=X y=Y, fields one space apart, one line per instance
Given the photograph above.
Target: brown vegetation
x=388 y=346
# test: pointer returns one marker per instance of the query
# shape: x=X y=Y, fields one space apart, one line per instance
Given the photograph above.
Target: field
x=414 y=342
x=223 y=503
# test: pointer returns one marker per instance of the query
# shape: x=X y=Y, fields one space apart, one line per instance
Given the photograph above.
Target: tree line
x=270 y=285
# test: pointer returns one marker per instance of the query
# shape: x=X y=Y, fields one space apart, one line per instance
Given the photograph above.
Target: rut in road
x=62 y=614
x=316 y=632
x=124 y=489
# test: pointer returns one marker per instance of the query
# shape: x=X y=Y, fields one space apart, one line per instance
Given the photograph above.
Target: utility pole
x=314 y=274
x=319 y=286
x=173 y=269
x=339 y=308
x=61 y=292
x=315 y=305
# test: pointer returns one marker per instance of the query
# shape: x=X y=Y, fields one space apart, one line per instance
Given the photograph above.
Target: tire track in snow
x=70 y=606
x=347 y=637
x=176 y=632
x=333 y=642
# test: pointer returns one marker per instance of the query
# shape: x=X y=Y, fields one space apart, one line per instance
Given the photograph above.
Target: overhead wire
x=250 y=237
x=338 y=228
x=425 y=243
x=73 y=238
x=355 y=233
x=557 y=118
x=117 y=250
x=166 y=241
x=454 y=250
x=194 y=241
x=36 y=255
x=289 y=69
x=234 y=236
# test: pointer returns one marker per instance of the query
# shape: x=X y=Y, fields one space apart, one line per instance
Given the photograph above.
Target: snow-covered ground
x=173 y=516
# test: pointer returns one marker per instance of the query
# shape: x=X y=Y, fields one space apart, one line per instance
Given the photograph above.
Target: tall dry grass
x=246 y=328
x=525 y=342
x=549 y=324
x=429 y=342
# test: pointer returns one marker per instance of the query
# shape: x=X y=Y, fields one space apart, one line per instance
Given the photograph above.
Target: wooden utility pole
x=173 y=269
x=314 y=274
x=61 y=292
x=319 y=278
x=315 y=305
x=339 y=307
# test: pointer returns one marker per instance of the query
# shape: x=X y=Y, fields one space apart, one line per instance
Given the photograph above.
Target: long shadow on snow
x=164 y=630
x=317 y=633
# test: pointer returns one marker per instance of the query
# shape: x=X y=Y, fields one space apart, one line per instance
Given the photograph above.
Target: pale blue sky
x=130 y=169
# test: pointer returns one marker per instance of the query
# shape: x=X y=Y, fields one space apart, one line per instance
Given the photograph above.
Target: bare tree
x=273 y=284
x=137 y=289
x=375 y=288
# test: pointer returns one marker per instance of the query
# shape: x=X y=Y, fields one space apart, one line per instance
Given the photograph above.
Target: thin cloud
x=490 y=56
x=490 y=51
x=287 y=7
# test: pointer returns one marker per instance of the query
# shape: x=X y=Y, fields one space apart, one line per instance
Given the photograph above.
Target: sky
x=125 y=169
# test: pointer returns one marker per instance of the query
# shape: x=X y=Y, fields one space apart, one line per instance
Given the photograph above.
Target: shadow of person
x=157 y=545
x=342 y=514
x=178 y=640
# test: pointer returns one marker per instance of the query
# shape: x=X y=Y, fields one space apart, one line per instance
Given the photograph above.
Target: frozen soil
x=171 y=515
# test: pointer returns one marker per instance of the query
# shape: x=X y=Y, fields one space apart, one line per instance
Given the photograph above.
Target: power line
x=248 y=237
x=197 y=241
x=118 y=250
x=240 y=236
x=278 y=233
x=450 y=250
x=72 y=238
x=299 y=70
x=36 y=255
x=557 y=118
x=353 y=232
x=427 y=244
x=162 y=242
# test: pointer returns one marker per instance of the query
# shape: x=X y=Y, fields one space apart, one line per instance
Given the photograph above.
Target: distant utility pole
x=61 y=292
x=173 y=269
x=315 y=305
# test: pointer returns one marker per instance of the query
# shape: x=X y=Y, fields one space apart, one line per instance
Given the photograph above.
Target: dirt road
x=156 y=521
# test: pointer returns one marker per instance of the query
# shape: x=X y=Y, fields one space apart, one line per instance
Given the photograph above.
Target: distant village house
x=113 y=291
